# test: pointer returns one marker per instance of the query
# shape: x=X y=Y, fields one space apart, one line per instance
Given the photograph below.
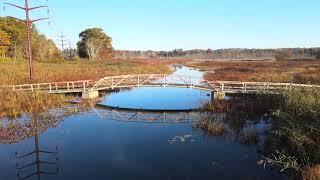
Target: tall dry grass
x=294 y=143
x=12 y=104
x=312 y=173
x=291 y=71
x=17 y=72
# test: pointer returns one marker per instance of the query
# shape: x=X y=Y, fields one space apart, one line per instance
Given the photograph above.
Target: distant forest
x=231 y=54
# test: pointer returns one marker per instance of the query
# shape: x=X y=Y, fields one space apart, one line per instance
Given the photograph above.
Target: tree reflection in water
x=38 y=162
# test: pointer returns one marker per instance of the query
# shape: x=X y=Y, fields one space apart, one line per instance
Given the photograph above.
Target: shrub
x=6 y=60
x=283 y=55
x=296 y=131
x=210 y=126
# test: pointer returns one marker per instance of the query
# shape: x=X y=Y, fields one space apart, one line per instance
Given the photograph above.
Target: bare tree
x=94 y=47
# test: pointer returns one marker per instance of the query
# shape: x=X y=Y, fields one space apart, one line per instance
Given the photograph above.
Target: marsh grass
x=12 y=104
x=312 y=173
x=12 y=73
x=290 y=71
x=296 y=131
x=210 y=126
x=292 y=143
x=239 y=116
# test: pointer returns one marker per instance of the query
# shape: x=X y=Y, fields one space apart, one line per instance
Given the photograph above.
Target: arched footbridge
x=155 y=80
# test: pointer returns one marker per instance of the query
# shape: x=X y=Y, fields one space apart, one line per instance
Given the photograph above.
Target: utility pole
x=70 y=50
x=28 y=23
x=15 y=49
x=62 y=42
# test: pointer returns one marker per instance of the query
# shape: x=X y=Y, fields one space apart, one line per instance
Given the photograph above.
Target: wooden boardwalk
x=155 y=80
x=55 y=87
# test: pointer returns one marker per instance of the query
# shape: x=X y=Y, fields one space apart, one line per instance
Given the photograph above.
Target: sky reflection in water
x=92 y=147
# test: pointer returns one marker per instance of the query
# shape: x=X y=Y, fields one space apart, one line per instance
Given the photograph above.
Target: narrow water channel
x=105 y=144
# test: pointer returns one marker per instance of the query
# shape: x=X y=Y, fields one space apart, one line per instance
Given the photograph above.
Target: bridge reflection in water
x=101 y=152
x=147 y=116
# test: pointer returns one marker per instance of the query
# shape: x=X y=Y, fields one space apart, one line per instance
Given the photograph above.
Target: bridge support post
x=218 y=95
x=90 y=94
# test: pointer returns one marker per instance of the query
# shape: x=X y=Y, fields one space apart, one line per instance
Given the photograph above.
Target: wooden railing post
x=222 y=86
x=50 y=87
x=84 y=86
x=31 y=87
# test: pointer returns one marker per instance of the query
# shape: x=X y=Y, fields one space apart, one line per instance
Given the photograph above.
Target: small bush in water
x=210 y=126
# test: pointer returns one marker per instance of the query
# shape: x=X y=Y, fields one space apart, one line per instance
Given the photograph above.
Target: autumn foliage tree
x=4 y=43
x=94 y=44
x=13 y=41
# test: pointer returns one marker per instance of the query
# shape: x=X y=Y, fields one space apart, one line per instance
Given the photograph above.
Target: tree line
x=236 y=54
x=94 y=43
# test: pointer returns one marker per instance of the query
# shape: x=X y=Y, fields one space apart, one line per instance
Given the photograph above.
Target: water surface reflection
x=92 y=147
x=110 y=144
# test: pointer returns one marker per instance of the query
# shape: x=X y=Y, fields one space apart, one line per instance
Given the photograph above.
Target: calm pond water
x=161 y=98
x=104 y=144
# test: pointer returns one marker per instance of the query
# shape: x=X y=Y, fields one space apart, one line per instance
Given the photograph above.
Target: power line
x=28 y=23
x=71 y=50
x=62 y=41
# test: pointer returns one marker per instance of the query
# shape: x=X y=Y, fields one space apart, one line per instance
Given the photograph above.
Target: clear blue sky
x=188 y=24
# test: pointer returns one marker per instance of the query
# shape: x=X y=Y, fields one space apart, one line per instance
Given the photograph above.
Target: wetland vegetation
x=249 y=136
x=290 y=128
x=290 y=71
x=11 y=73
x=282 y=128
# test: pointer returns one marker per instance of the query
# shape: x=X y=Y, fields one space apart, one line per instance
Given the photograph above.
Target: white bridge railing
x=155 y=80
x=150 y=80
x=251 y=87
x=55 y=87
